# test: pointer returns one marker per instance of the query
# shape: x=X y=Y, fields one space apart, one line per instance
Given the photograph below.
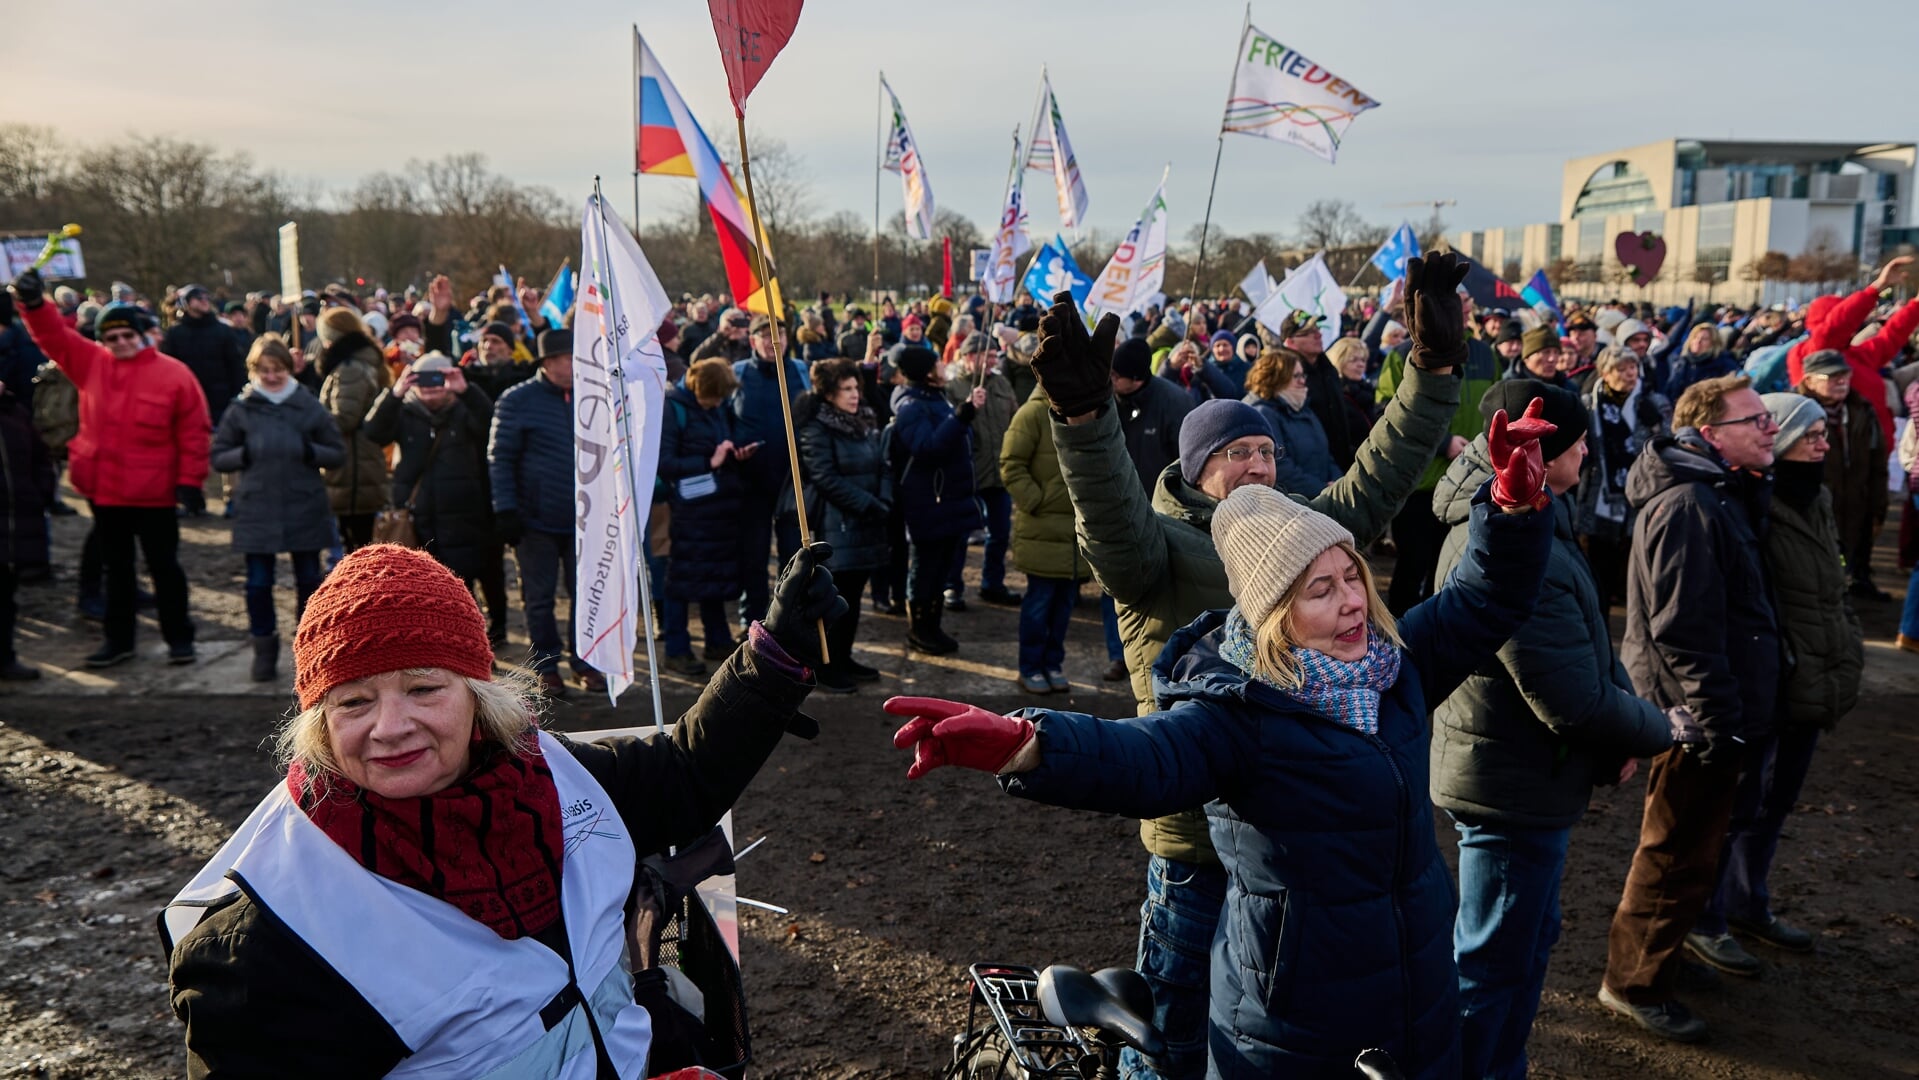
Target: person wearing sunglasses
x=141 y=449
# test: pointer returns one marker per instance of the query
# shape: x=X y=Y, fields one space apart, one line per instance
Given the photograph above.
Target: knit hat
x=117 y=316
x=433 y=361
x=1535 y=340
x=1563 y=408
x=499 y=330
x=1222 y=335
x=669 y=332
x=1627 y=328
x=1795 y=414
x=916 y=362
x=1212 y=425
x=386 y=608
x=556 y=342
x=1510 y=330
x=337 y=323
x=912 y=320
x=1133 y=359
x=1827 y=362
x=403 y=321
x=976 y=342
x=1266 y=541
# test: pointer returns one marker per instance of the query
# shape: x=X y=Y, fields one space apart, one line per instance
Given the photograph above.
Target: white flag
x=1053 y=152
x=1137 y=268
x=1257 y=284
x=1279 y=94
x=619 y=387
x=1310 y=288
x=1009 y=243
x=903 y=157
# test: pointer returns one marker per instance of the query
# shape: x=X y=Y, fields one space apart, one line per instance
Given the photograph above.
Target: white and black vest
x=465 y=1001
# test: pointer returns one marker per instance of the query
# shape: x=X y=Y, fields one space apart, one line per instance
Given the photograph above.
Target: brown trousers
x=1674 y=872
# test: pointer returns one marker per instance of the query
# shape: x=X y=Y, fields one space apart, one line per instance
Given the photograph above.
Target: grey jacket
x=279 y=450
x=1522 y=742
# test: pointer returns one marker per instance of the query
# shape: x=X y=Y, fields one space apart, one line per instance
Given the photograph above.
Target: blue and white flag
x=506 y=279
x=559 y=296
x=1053 y=271
x=1392 y=255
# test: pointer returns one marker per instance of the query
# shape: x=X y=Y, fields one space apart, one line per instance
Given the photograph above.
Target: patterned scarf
x=1347 y=691
x=489 y=845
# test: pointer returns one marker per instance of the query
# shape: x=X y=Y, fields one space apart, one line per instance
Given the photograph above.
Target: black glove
x=1075 y=369
x=30 y=289
x=803 y=597
x=1435 y=321
x=508 y=527
x=878 y=510
x=191 y=499
x=965 y=411
x=306 y=454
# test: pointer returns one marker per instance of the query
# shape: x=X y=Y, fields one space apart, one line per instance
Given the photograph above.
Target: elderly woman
x=850 y=492
x=1699 y=358
x=438 y=887
x=277 y=437
x=1303 y=459
x=701 y=467
x=1626 y=415
x=1298 y=718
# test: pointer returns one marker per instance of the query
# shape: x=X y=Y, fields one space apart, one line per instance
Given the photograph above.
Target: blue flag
x=1540 y=291
x=1392 y=255
x=559 y=297
x=1054 y=271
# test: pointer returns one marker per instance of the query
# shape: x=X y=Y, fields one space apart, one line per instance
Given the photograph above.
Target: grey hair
x=1612 y=356
x=506 y=711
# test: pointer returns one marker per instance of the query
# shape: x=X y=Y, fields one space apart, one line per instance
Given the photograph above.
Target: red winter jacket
x=1831 y=322
x=144 y=425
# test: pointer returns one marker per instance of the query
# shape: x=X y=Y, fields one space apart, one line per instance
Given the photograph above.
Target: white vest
x=464 y=1000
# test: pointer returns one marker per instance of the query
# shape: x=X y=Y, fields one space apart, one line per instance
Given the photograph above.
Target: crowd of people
x=1721 y=473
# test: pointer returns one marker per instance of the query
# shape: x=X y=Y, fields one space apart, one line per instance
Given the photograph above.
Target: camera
x=430 y=378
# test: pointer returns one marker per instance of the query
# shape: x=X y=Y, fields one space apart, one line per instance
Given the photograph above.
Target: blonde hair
x=1704 y=402
x=1348 y=348
x=269 y=347
x=1272 y=373
x=1273 y=641
x=506 y=713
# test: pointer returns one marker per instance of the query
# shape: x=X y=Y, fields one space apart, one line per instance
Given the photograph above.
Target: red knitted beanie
x=387 y=608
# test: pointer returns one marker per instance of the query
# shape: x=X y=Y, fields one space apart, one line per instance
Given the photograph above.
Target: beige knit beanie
x=337 y=323
x=1267 y=540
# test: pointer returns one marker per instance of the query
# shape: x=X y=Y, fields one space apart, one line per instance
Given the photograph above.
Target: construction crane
x=1433 y=224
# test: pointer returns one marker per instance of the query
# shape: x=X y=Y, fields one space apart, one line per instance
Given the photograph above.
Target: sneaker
x=108 y=655
x=1116 y=672
x=592 y=682
x=860 y=672
x=181 y=653
x=15 y=671
x=1057 y=680
x=827 y=680
x=1724 y=952
x=552 y=685
x=1668 y=1021
x=1775 y=933
x=955 y=600
x=1001 y=596
x=688 y=665
x=1036 y=683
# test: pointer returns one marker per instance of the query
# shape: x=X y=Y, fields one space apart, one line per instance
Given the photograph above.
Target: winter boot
x=266 y=657
x=923 y=629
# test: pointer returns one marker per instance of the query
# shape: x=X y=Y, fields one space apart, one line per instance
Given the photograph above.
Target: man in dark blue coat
x=760 y=423
x=530 y=464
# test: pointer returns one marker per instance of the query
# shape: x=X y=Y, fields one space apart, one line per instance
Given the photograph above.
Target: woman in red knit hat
x=439 y=888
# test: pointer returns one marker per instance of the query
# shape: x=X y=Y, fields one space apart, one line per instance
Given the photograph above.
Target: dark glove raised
x=1435 y=320
x=30 y=289
x=803 y=597
x=1074 y=368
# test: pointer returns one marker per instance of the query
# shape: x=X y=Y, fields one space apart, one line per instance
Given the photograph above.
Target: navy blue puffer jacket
x=931 y=454
x=705 y=527
x=530 y=455
x=1337 y=931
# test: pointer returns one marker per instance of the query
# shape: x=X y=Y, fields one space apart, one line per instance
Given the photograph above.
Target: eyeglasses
x=1761 y=421
x=1238 y=454
x=1816 y=437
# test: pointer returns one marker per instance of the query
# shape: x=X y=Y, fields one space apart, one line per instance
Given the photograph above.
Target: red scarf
x=489 y=845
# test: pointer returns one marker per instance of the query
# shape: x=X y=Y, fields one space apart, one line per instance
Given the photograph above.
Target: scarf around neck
x=276 y=396
x=1347 y=691
x=489 y=845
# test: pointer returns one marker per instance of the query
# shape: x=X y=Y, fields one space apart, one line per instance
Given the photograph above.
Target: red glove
x=1519 y=469
x=951 y=733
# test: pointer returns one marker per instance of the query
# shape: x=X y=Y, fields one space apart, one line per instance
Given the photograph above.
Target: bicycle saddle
x=1377 y=1065
x=1117 y=1001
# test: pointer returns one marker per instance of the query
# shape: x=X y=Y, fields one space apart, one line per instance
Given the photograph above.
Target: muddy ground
x=113 y=791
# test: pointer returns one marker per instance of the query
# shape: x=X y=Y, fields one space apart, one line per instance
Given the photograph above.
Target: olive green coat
x=1043 y=540
x=1809 y=592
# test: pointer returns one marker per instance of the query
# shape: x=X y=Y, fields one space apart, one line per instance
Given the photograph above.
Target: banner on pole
x=1393 y=253
x=1137 y=267
x=1009 y=242
x=1310 y=288
x=1279 y=94
x=559 y=296
x=290 y=262
x=1257 y=284
x=903 y=157
x=982 y=258
x=1052 y=151
x=619 y=389
x=21 y=251
x=1053 y=272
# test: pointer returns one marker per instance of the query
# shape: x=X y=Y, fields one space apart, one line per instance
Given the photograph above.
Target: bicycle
x=1065 y=1023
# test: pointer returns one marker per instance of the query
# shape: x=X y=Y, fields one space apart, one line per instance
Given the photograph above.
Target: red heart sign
x=1643 y=253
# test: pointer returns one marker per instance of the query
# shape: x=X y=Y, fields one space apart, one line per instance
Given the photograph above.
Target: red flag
x=946 y=255
x=751 y=33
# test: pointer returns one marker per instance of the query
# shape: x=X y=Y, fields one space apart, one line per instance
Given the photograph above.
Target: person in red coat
x=142 y=448
x=1833 y=321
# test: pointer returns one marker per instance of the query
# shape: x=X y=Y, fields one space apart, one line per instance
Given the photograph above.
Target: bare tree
x=383 y=232
x=1333 y=223
x=33 y=166
x=1562 y=271
x=781 y=182
x=159 y=205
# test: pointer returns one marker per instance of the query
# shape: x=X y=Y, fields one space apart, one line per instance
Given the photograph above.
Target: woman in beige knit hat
x=1299 y=718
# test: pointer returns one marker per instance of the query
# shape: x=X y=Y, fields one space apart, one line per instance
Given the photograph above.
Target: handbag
x=395 y=524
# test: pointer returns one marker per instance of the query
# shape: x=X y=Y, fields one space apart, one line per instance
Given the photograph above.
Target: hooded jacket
x=1043 y=540
x=705 y=501
x=279 y=450
x=930 y=456
x=1523 y=741
x=451 y=506
x=1700 y=627
x=352 y=373
x=1823 y=635
x=989 y=424
x=1150 y=417
x=1833 y=321
x=1337 y=930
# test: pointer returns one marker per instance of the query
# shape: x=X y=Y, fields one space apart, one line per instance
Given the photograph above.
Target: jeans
x=928 y=563
x=712 y=621
x=997 y=506
x=306 y=578
x=544 y=557
x=1909 y=620
x=1503 y=938
x=760 y=523
x=1767 y=794
x=157 y=531
x=1109 y=622
x=1045 y=612
x=1176 y=924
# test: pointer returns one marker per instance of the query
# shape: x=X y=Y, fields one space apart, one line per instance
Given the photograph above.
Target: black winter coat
x=1150 y=418
x=849 y=491
x=930 y=456
x=209 y=348
x=530 y=455
x=1700 y=626
x=452 y=508
x=705 y=528
x=279 y=450
x=26 y=482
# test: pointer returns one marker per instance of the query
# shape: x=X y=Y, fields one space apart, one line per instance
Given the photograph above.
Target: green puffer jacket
x=1157 y=558
x=1481 y=372
x=1809 y=590
x=1043 y=541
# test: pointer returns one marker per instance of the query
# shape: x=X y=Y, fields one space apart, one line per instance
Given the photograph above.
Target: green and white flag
x=1137 y=268
x=1310 y=288
x=1279 y=94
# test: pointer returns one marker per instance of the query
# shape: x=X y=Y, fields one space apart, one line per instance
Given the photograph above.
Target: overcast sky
x=1479 y=104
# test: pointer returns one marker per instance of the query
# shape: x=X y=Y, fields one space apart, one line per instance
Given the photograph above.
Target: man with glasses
x=1703 y=643
x=1855 y=464
x=141 y=448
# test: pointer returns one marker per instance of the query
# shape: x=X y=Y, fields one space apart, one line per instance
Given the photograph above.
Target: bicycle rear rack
x=1011 y=993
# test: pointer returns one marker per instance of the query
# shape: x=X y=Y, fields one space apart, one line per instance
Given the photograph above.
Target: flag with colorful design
x=1279 y=94
x=1010 y=241
x=1137 y=267
x=903 y=157
x=1539 y=292
x=1052 y=152
x=1053 y=271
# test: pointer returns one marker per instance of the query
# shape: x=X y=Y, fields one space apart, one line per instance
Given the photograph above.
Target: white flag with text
x=1137 y=267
